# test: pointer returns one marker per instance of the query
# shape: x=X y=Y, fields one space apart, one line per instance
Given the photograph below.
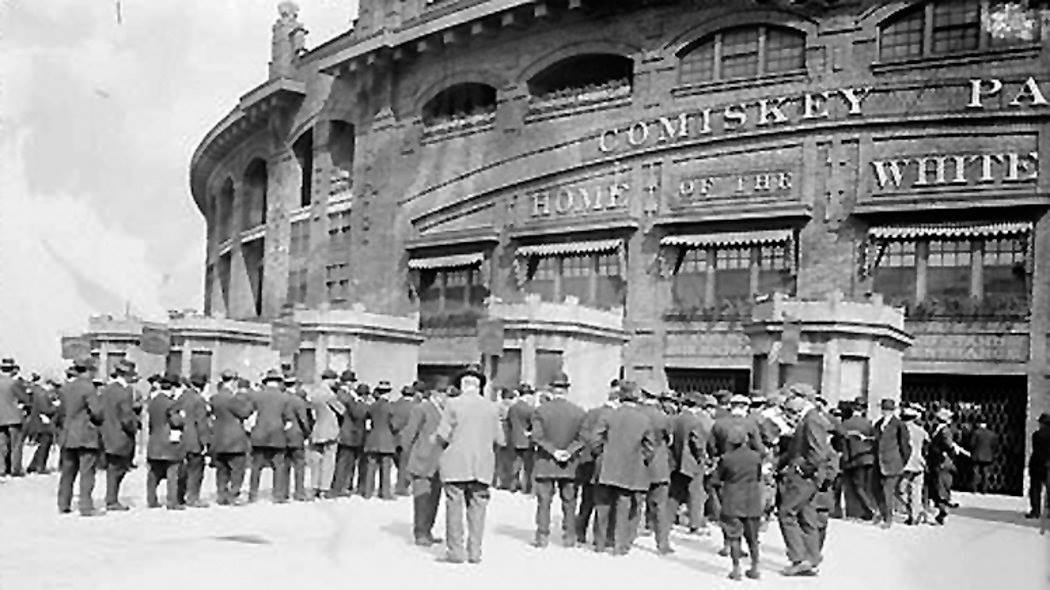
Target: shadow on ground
x=996 y=515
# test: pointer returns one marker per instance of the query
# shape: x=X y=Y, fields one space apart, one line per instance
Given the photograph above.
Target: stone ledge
x=534 y=315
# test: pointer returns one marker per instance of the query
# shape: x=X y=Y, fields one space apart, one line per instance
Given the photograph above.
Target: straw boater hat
x=273 y=375
x=944 y=415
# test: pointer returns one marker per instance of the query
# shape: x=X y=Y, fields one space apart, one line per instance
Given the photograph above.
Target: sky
x=99 y=117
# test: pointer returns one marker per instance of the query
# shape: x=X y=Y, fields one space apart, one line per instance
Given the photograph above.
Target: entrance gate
x=1000 y=399
x=709 y=380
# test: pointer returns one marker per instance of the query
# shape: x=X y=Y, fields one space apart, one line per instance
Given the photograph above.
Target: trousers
x=426 y=495
x=38 y=464
x=229 y=476
x=521 y=471
x=382 y=463
x=566 y=489
x=858 y=486
x=911 y=485
x=797 y=514
x=981 y=477
x=191 y=476
x=689 y=491
x=161 y=469
x=346 y=461
x=268 y=458
x=656 y=504
x=11 y=443
x=887 y=496
x=320 y=460
x=628 y=505
x=469 y=499
x=117 y=466
x=404 y=478
x=74 y=463
x=1038 y=483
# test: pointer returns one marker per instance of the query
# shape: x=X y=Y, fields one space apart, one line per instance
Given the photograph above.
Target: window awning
x=588 y=247
x=950 y=230
x=743 y=238
x=451 y=261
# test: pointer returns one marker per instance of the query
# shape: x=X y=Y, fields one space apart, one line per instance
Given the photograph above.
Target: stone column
x=240 y=304
x=283 y=193
x=317 y=258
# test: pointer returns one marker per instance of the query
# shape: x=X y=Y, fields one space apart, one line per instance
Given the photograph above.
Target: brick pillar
x=322 y=181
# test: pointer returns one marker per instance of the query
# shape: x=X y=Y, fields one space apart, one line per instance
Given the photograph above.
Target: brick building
x=621 y=181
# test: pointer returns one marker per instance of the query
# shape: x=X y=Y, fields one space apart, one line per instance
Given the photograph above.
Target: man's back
x=229 y=410
x=984 y=441
x=12 y=393
x=626 y=439
x=519 y=420
x=859 y=447
x=271 y=404
x=471 y=427
x=556 y=425
x=119 y=422
x=80 y=412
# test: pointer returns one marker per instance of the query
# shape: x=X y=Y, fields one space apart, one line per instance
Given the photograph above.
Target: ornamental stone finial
x=289 y=40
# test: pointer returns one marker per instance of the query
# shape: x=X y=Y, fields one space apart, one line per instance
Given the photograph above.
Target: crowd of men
x=640 y=463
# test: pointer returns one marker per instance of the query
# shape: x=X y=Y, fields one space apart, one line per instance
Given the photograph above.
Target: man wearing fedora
x=1039 y=467
x=196 y=435
x=298 y=426
x=80 y=414
x=41 y=424
x=351 y=438
x=120 y=425
x=556 y=431
x=469 y=430
x=858 y=462
x=380 y=443
x=327 y=411
x=892 y=451
x=230 y=407
x=944 y=452
x=519 y=422
x=164 y=452
x=400 y=411
x=268 y=437
x=424 y=453
x=914 y=477
x=689 y=461
x=657 y=498
x=13 y=395
x=589 y=466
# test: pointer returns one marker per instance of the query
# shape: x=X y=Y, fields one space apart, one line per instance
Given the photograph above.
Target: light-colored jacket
x=471 y=427
x=919 y=439
x=326 y=409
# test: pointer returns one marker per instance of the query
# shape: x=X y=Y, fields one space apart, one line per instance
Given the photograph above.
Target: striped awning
x=950 y=230
x=743 y=238
x=451 y=261
x=588 y=247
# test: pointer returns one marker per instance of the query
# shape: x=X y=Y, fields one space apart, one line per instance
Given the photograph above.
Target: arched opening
x=342 y=143
x=469 y=99
x=602 y=74
x=304 y=154
x=224 y=210
x=255 y=181
x=743 y=52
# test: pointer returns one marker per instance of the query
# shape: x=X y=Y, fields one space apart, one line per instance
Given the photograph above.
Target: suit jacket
x=808 y=450
x=982 y=445
x=80 y=414
x=272 y=406
x=196 y=432
x=471 y=429
x=424 y=453
x=381 y=437
x=12 y=395
x=299 y=419
x=326 y=409
x=556 y=425
x=660 y=465
x=164 y=417
x=352 y=430
x=229 y=410
x=688 y=444
x=625 y=440
x=859 y=451
x=43 y=405
x=723 y=424
x=892 y=445
x=1039 y=460
x=399 y=413
x=739 y=474
x=119 y=421
x=590 y=456
x=519 y=421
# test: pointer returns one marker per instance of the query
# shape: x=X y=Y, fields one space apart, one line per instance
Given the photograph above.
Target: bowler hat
x=8 y=364
x=83 y=365
x=888 y=404
x=383 y=385
x=272 y=375
x=124 y=367
x=228 y=375
x=694 y=398
x=418 y=386
x=362 y=389
x=329 y=374
x=1044 y=418
x=348 y=376
x=739 y=400
x=524 y=388
x=560 y=380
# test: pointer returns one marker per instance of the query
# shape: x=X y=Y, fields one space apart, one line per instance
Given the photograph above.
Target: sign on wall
x=155 y=340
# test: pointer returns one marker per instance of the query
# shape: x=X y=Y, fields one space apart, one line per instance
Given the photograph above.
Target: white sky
x=98 y=121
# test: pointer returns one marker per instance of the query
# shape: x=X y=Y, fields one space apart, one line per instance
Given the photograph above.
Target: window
x=337 y=282
x=1005 y=268
x=809 y=370
x=224 y=210
x=896 y=274
x=576 y=272
x=732 y=274
x=297 y=282
x=459 y=101
x=450 y=290
x=339 y=230
x=774 y=272
x=948 y=274
x=304 y=154
x=545 y=271
x=690 y=283
x=299 y=241
x=945 y=27
x=609 y=283
x=253 y=207
x=593 y=279
x=743 y=52
x=456 y=282
x=548 y=365
x=173 y=363
x=738 y=273
x=583 y=73
x=200 y=364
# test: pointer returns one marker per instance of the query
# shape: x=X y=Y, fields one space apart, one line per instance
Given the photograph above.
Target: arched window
x=593 y=72
x=304 y=153
x=224 y=210
x=342 y=143
x=255 y=181
x=945 y=27
x=458 y=101
x=743 y=52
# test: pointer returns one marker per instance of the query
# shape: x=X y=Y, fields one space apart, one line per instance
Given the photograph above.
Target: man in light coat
x=327 y=410
x=469 y=428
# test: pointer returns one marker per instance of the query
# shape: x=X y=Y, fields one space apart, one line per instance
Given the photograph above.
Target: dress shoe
x=540 y=541
x=449 y=559
x=1032 y=515
x=665 y=550
x=802 y=568
x=474 y=560
x=197 y=504
x=118 y=507
x=885 y=524
x=222 y=502
x=753 y=573
x=723 y=552
x=176 y=507
x=65 y=510
x=153 y=505
x=735 y=574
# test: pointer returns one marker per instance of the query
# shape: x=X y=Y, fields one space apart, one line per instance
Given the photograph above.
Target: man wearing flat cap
x=352 y=431
x=13 y=395
x=380 y=443
x=230 y=407
x=80 y=415
x=801 y=471
x=268 y=438
x=120 y=425
x=689 y=456
x=327 y=411
x=944 y=452
x=1039 y=467
x=556 y=431
x=892 y=451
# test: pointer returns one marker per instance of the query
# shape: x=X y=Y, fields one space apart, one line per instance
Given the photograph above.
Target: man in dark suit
x=624 y=439
x=556 y=432
x=944 y=453
x=689 y=459
x=983 y=443
x=399 y=414
x=519 y=421
x=351 y=439
x=587 y=471
x=41 y=424
x=298 y=426
x=469 y=430
x=164 y=452
x=424 y=454
x=230 y=407
x=801 y=468
x=738 y=477
x=1039 y=466
x=13 y=395
x=892 y=449
x=80 y=414
x=858 y=458
x=657 y=498
x=380 y=443
x=196 y=435
x=268 y=438
x=120 y=424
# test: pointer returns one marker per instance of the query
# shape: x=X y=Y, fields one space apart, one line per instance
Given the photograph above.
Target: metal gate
x=1000 y=399
x=709 y=380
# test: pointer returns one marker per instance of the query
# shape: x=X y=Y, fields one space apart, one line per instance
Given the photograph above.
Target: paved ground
x=352 y=542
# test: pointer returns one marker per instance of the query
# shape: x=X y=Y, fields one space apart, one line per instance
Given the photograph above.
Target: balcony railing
x=728 y=310
x=459 y=124
x=612 y=92
x=988 y=308
x=466 y=319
